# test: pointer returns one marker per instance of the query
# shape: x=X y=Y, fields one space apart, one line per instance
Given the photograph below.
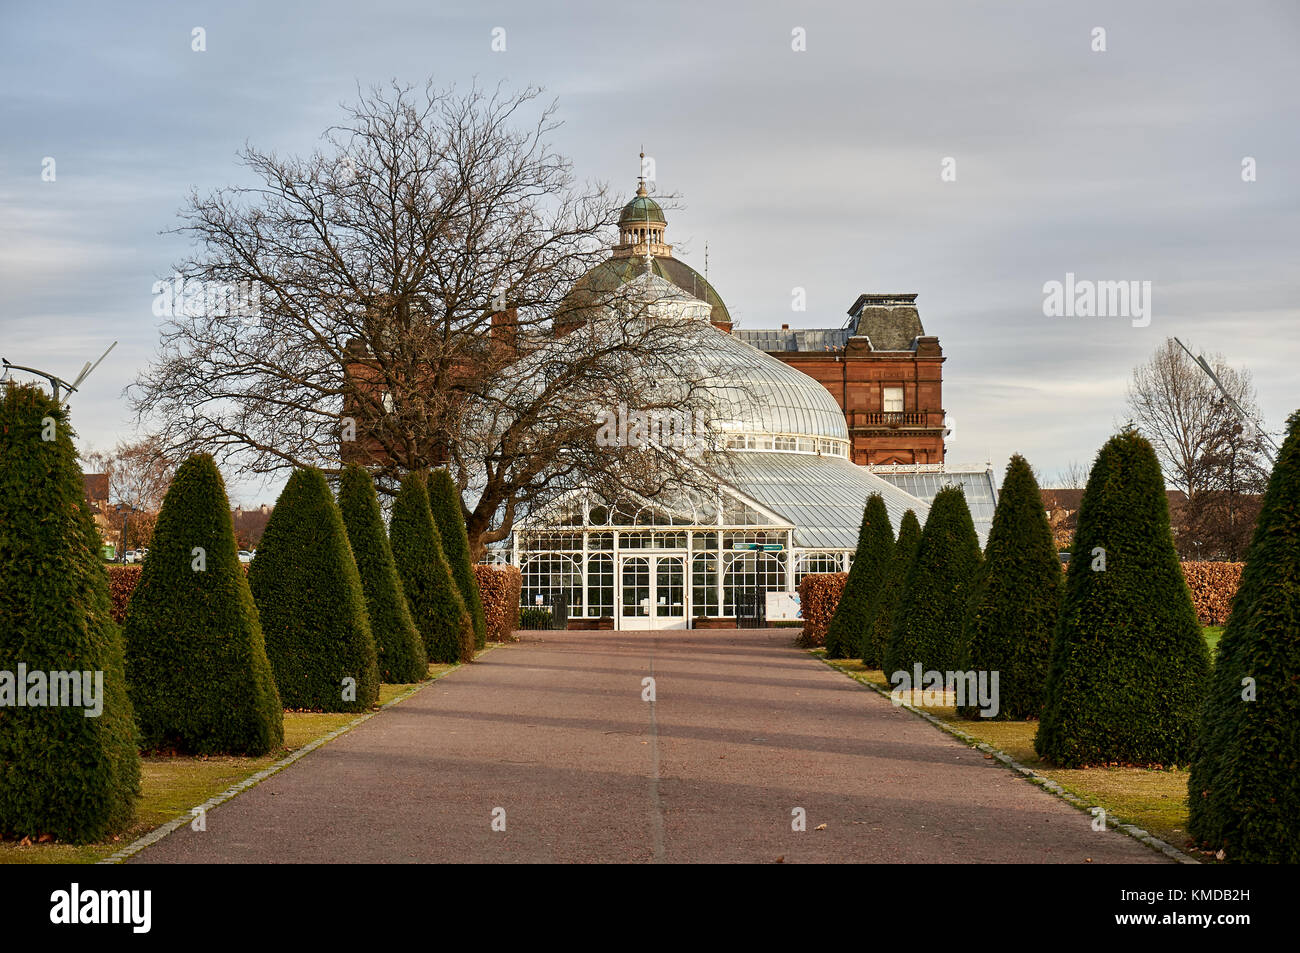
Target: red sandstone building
x=882 y=368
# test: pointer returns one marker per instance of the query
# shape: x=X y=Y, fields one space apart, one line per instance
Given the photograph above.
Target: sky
x=818 y=168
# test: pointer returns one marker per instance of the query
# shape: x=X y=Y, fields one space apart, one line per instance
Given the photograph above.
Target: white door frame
x=653 y=619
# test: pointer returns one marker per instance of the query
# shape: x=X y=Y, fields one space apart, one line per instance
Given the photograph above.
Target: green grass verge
x=171 y=785
x=1212 y=635
x=1152 y=799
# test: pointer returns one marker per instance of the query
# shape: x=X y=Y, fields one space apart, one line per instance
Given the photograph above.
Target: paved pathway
x=555 y=731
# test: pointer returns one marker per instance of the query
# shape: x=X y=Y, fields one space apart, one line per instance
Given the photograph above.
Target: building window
x=893 y=400
x=704 y=583
x=600 y=585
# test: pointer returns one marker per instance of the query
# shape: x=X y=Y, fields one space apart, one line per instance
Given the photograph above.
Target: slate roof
x=890 y=322
x=802 y=339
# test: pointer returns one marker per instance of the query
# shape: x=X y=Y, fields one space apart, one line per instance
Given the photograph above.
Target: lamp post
x=126 y=509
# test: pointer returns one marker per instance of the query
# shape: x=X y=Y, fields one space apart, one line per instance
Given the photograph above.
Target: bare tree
x=1178 y=408
x=1074 y=476
x=406 y=297
x=138 y=473
x=1206 y=449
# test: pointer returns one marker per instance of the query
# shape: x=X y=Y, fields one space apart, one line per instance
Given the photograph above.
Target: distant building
x=250 y=524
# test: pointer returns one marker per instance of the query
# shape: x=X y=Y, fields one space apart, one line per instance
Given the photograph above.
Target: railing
x=890 y=418
x=751 y=609
x=554 y=615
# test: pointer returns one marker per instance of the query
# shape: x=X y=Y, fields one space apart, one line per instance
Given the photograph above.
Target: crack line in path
x=656 y=805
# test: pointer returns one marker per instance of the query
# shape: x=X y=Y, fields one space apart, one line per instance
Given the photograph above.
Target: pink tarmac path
x=553 y=730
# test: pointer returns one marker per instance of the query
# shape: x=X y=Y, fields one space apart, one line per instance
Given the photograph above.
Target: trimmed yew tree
x=308 y=594
x=398 y=646
x=196 y=661
x=928 y=623
x=848 y=626
x=444 y=502
x=61 y=772
x=1244 y=790
x=436 y=603
x=1129 y=662
x=1017 y=598
x=883 y=607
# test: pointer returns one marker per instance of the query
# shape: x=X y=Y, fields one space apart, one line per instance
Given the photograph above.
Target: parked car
x=245 y=556
x=131 y=556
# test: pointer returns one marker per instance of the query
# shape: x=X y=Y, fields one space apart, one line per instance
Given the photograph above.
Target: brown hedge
x=1213 y=587
x=121 y=583
x=499 y=587
x=819 y=594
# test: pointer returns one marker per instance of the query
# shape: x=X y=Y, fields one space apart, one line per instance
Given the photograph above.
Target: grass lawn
x=1154 y=800
x=170 y=786
x=1212 y=635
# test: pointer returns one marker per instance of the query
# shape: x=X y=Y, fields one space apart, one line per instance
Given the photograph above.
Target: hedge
x=871 y=563
x=196 y=661
x=444 y=503
x=313 y=610
x=1129 y=662
x=61 y=773
x=1244 y=787
x=928 y=625
x=884 y=606
x=121 y=585
x=399 y=650
x=500 y=587
x=1213 y=586
x=819 y=594
x=1017 y=598
x=435 y=599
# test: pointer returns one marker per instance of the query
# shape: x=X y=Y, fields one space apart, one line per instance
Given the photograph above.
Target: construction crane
x=58 y=382
x=1254 y=426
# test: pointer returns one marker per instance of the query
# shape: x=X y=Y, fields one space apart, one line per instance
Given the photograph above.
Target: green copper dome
x=640 y=210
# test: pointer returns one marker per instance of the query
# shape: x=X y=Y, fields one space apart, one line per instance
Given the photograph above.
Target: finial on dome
x=640 y=179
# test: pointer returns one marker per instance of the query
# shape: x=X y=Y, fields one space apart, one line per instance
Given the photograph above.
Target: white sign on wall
x=783 y=607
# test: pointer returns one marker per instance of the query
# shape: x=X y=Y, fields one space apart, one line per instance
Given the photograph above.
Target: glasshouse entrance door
x=653 y=593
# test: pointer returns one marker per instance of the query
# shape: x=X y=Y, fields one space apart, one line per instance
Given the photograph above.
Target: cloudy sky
x=817 y=168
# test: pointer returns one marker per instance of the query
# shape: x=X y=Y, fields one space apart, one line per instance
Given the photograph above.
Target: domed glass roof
x=758 y=395
x=755 y=397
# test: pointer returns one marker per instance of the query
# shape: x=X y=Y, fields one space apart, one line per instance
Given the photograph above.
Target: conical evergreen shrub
x=398 y=645
x=880 y=612
x=196 y=662
x=928 y=622
x=1017 y=598
x=444 y=502
x=1129 y=662
x=61 y=772
x=848 y=626
x=308 y=594
x=436 y=603
x=1244 y=790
